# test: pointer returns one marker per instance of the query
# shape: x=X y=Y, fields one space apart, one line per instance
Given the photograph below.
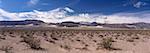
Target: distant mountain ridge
x=22 y=22
x=139 y=25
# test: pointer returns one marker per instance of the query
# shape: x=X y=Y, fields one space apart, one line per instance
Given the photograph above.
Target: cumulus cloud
x=32 y=2
x=139 y=4
x=4 y=15
x=61 y=14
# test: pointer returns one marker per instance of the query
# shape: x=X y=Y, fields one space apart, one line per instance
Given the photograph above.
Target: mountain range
x=139 y=25
x=21 y=22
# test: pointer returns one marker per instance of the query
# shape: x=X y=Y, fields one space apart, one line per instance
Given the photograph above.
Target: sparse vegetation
x=7 y=49
x=33 y=42
x=68 y=40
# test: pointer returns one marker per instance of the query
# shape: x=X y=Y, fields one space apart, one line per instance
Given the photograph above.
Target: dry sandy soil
x=74 y=41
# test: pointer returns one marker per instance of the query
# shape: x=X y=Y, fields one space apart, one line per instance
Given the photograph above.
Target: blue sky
x=30 y=5
x=116 y=11
x=80 y=6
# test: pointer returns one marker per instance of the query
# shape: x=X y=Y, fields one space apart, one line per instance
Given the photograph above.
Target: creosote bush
x=107 y=44
x=33 y=42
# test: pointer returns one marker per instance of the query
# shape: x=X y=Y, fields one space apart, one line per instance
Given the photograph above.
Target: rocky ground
x=74 y=41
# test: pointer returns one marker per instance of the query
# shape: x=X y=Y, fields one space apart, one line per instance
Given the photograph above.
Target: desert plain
x=62 y=40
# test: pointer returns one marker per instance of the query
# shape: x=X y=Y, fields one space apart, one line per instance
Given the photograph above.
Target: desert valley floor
x=74 y=41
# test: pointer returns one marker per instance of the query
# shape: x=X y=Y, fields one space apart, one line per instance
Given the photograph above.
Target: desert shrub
x=130 y=40
x=107 y=43
x=65 y=47
x=33 y=42
x=2 y=38
x=7 y=49
x=135 y=37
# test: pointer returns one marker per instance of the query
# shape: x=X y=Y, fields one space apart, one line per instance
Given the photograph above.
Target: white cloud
x=32 y=2
x=4 y=15
x=68 y=9
x=61 y=14
x=139 y=4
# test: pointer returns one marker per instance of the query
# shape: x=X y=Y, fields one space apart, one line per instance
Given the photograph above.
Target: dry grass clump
x=7 y=49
